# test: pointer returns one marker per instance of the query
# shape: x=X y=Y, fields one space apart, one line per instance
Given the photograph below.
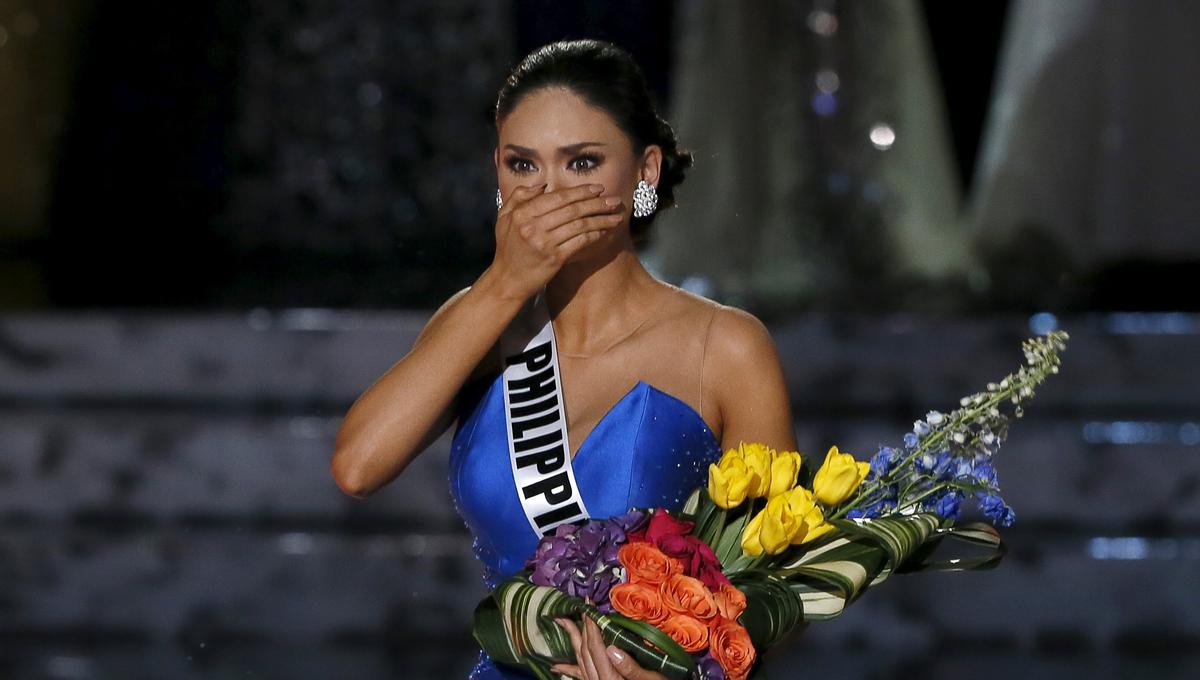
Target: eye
x=591 y=158
x=514 y=164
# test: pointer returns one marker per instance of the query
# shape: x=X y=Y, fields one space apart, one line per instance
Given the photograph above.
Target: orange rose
x=687 y=595
x=731 y=602
x=688 y=631
x=638 y=601
x=647 y=564
x=730 y=645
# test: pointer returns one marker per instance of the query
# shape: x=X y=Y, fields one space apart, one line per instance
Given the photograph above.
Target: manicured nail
x=596 y=188
x=617 y=655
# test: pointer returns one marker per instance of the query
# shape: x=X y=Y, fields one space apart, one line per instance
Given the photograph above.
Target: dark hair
x=606 y=77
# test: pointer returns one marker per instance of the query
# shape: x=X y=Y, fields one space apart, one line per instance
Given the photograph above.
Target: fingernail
x=612 y=200
x=596 y=188
x=617 y=655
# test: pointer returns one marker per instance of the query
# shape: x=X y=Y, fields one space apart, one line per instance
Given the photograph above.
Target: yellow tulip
x=758 y=462
x=750 y=542
x=812 y=533
x=785 y=467
x=838 y=477
x=728 y=480
x=803 y=505
x=779 y=525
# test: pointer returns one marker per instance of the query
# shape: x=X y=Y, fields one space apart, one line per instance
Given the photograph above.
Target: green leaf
x=515 y=626
x=861 y=553
x=729 y=542
x=976 y=533
x=772 y=609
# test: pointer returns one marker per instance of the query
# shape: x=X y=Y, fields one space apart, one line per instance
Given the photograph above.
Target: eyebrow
x=568 y=149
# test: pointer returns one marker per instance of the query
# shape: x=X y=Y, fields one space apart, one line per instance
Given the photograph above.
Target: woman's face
x=554 y=136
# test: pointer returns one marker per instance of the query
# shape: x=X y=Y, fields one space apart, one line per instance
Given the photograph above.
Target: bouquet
x=766 y=547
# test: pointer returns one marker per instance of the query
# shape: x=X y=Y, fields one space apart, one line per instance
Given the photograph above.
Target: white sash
x=536 y=425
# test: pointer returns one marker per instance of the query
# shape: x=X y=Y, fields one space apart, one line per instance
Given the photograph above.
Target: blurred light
x=822 y=22
x=1131 y=432
x=1151 y=323
x=883 y=136
x=1042 y=323
x=1142 y=548
x=311 y=319
x=3 y=36
x=296 y=543
x=828 y=80
x=824 y=104
x=1125 y=548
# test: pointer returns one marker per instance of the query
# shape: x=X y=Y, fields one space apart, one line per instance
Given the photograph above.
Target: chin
x=600 y=250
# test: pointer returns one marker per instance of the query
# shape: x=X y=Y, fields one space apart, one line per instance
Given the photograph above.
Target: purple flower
x=581 y=560
x=710 y=668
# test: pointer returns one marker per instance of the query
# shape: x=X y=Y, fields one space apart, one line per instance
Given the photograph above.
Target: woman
x=655 y=381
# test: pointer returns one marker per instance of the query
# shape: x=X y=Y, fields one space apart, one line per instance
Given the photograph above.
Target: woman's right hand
x=537 y=232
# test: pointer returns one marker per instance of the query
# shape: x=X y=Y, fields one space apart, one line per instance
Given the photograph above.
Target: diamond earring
x=499 y=200
x=645 y=199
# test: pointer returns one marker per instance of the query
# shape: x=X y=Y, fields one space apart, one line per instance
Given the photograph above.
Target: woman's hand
x=594 y=661
x=536 y=232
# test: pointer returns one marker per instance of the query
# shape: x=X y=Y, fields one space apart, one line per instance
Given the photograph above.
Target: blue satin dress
x=651 y=449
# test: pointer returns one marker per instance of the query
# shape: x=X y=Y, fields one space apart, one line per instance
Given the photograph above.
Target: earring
x=645 y=199
x=499 y=201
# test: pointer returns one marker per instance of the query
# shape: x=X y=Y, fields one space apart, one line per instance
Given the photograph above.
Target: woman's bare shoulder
x=685 y=303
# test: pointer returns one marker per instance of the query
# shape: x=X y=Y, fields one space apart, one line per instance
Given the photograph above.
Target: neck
x=595 y=302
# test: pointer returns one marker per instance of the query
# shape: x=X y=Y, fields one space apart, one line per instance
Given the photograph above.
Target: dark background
x=221 y=221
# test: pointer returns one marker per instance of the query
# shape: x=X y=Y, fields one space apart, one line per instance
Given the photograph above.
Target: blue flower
x=920 y=428
x=879 y=508
x=937 y=464
x=948 y=505
x=963 y=469
x=985 y=473
x=944 y=466
x=994 y=507
x=883 y=461
x=910 y=441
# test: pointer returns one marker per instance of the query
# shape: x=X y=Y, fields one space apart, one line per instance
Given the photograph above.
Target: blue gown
x=651 y=449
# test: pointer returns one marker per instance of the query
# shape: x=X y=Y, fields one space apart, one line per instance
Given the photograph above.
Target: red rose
x=697 y=558
x=661 y=524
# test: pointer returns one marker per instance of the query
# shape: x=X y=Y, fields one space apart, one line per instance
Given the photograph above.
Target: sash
x=536 y=424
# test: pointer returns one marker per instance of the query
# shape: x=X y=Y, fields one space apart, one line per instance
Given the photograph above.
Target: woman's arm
x=743 y=364
x=414 y=402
